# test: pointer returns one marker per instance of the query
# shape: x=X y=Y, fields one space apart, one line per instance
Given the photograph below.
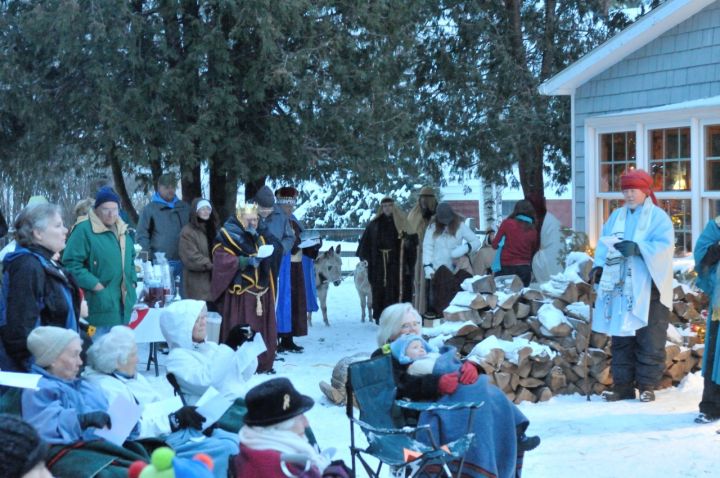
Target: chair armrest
x=426 y=406
x=389 y=431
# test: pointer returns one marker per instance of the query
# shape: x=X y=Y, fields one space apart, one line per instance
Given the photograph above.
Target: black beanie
x=265 y=197
x=21 y=448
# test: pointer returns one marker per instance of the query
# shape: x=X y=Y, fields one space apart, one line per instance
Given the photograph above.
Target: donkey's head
x=328 y=266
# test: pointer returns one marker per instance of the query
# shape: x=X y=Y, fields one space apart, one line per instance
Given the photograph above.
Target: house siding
x=682 y=64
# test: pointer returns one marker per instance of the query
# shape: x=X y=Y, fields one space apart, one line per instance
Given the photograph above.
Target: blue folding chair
x=371 y=386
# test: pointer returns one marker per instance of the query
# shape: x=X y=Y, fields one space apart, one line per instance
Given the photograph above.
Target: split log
x=518 y=329
x=524 y=395
x=678 y=293
x=484 y=284
x=556 y=380
x=542 y=365
x=470 y=300
x=543 y=394
x=460 y=314
x=510 y=319
x=498 y=316
x=509 y=282
x=502 y=379
x=522 y=310
x=507 y=301
x=532 y=294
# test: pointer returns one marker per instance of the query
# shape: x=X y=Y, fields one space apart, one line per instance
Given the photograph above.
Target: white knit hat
x=47 y=343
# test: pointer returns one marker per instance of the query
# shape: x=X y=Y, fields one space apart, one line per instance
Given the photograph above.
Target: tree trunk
x=223 y=189
x=191 y=184
x=252 y=187
x=119 y=182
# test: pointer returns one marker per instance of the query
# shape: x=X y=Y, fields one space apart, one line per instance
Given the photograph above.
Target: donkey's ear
x=337 y=249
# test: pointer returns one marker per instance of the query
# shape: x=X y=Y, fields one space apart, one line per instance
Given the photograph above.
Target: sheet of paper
x=165 y=407
x=20 y=380
x=265 y=251
x=124 y=414
x=250 y=350
x=609 y=241
x=213 y=405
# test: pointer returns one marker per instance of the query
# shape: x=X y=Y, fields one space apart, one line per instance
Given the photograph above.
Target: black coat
x=35 y=294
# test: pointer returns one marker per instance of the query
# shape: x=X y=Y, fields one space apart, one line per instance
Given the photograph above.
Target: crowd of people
x=67 y=298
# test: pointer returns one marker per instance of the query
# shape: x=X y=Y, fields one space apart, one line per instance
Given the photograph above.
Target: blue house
x=649 y=98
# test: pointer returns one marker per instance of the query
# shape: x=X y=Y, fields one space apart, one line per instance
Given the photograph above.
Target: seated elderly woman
x=198 y=364
x=66 y=410
x=273 y=440
x=112 y=362
x=499 y=426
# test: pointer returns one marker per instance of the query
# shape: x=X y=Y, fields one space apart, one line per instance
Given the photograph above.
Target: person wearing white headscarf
x=196 y=363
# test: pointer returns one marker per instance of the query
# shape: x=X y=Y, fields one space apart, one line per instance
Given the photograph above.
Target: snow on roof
x=634 y=37
x=712 y=102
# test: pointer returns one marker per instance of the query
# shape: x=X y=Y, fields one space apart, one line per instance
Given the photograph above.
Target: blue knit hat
x=398 y=346
x=106 y=194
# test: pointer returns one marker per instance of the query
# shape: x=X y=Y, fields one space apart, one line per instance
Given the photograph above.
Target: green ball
x=162 y=458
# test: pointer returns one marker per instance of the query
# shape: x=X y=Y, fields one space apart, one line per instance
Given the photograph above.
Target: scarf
x=274 y=437
x=617 y=274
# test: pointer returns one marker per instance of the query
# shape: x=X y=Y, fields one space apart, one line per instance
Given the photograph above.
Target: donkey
x=362 y=284
x=328 y=268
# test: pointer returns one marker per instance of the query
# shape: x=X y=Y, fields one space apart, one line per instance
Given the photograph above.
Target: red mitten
x=468 y=373
x=448 y=383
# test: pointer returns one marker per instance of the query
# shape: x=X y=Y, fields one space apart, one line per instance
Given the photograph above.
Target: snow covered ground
x=579 y=438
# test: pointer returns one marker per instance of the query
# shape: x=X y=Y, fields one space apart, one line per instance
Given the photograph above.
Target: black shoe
x=272 y=371
x=619 y=393
x=528 y=443
x=281 y=349
x=647 y=396
x=295 y=348
x=703 y=418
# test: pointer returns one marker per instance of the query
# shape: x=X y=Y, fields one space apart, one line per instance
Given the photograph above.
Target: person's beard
x=426 y=211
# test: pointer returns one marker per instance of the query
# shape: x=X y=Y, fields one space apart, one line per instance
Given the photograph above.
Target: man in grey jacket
x=160 y=223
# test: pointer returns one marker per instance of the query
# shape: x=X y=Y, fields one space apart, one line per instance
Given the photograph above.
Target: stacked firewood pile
x=574 y=359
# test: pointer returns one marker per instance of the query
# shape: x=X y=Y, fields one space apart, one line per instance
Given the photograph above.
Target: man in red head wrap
x=633 y=270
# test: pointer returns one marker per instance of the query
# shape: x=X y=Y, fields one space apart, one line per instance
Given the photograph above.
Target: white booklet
x=20 y=380
x=213 y=405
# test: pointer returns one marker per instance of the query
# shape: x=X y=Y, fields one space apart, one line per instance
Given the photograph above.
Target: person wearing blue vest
x=37 y=290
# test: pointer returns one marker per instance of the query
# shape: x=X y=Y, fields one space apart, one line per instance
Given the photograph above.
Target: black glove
x=595 y=274
x=712 y=256
x=94 y=420
x=627 y=248
x=186 y=417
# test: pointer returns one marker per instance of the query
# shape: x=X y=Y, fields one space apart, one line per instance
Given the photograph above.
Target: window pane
x=684 y=143
x=679 y=212
x=712 y=175
x=619 y=149
x=617 y=154
x=606 y=147
x=656 y=171
x=712 y=141
x=608 y=206
x=605 y=178
x=656 y=144
x=631 y=147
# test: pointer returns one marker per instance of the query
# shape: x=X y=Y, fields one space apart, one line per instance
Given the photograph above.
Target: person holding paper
x=112 y=362
x=67 y=410
x=242 y=280
x=198 y=364
x=634 y=274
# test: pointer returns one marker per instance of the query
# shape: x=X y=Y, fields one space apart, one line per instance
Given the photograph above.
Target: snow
x=579 y=438
x=510 y=347
x=550 y=316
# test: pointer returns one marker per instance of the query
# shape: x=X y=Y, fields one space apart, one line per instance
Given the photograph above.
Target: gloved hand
x=628 y=248
x=712 y=256
x=468 y=373
x=186 y=417
x=595 y=275
x=94 y=420
x=448 y=383
x=460 y=250
x=429 y=271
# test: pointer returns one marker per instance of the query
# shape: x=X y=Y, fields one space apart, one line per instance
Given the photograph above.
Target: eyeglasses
x=108 y=211
x=410 y=325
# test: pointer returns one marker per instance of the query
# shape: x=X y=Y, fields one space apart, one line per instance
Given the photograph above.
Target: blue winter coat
x=53 y=409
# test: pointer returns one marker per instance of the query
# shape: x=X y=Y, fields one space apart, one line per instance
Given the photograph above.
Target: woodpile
x=557 y=316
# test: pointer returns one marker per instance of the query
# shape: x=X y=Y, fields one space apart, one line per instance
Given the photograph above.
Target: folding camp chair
x=370 y=384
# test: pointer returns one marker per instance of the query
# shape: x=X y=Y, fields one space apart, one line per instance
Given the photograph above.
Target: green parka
x=96 y=254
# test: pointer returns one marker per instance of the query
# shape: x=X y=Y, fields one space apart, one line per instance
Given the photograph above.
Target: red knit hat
x=638 y=179
x=287 y=195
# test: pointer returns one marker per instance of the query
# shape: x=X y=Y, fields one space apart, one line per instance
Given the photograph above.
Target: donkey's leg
x=363 y=301
x=322 y=295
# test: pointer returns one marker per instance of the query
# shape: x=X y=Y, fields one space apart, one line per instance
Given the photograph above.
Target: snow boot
x=703 y=418
x=647 y=395
x=528 y=443
x=619 y=392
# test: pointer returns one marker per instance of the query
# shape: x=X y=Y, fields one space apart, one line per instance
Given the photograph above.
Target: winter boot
x=647 y=395
x=528 y=443
x=703 y=418
x=619 y=392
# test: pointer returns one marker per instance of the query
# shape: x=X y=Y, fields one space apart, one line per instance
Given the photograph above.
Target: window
x=712 y=158
x=617 y=154
x=608 y=206
x=679 y=212
x=670 y=159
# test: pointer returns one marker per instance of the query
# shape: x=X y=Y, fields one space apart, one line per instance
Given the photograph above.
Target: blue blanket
x=707 y=279
x=496 y=425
